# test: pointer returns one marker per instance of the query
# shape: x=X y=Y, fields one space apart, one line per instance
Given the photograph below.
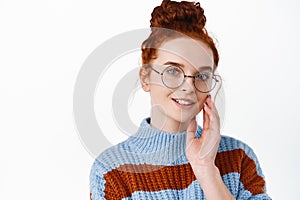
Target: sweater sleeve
x=97 y=181
x=252 y=181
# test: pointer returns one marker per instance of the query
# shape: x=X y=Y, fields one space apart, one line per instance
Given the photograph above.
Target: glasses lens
x=173 y=76
x=205 y=82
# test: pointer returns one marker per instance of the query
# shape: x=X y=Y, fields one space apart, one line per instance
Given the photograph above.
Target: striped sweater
x=152 y=164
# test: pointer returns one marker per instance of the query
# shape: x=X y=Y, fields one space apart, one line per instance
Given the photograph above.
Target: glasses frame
x=184 y=77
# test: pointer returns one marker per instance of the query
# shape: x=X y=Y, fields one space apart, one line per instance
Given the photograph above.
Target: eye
x=173 y=71
x=203 y=76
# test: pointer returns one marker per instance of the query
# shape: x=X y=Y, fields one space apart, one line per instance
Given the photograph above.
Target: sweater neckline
x=162 y=146
x=146 y=130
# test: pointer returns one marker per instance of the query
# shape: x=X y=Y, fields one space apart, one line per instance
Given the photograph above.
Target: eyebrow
x=202 y=68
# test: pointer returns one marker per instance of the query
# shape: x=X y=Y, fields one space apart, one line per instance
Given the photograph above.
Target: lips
x=184 y=101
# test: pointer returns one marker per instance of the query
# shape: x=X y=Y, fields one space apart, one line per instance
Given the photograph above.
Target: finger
x=208 y=100
x=210 y=137
x=206 y=120
x=211 y=104
x=191 y=130
x=213 y=108
x=208 y=111
x=214 y=122
x=210 y=145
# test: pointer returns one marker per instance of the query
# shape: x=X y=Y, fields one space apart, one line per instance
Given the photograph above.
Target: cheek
x=155 y=79
x=159 y=94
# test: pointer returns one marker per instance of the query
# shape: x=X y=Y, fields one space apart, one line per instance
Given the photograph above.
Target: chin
x=184 y=119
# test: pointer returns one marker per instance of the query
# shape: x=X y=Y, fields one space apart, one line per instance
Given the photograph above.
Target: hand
x=201 y=152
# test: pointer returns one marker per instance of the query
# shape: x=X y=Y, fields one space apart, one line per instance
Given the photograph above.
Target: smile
x=183 y=103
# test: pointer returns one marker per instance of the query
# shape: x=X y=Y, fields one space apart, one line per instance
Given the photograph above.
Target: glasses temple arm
x=160 y=73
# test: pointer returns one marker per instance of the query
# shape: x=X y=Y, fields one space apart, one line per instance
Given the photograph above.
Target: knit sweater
x=152 y=164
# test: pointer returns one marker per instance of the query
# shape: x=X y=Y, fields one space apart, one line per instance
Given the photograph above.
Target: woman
x=170 y=156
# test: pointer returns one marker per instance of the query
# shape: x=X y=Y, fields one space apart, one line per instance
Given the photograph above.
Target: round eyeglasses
x=174 y=76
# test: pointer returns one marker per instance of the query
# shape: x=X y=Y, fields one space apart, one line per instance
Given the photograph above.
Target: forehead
x=185 y=50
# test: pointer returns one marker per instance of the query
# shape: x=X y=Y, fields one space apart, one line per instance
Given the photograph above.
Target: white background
x=44 y=43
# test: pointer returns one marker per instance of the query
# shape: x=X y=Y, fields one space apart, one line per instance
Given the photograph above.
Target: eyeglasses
x=174 y=76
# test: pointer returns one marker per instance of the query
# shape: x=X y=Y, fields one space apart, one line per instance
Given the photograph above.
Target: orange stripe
x=238 y=161
x=250 y=178
x=128 y=178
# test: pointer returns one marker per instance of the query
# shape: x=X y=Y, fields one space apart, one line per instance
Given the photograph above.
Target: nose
x=188 y=84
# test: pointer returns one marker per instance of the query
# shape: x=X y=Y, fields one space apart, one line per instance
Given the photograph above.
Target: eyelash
x=173 y=68
x=202 y=74
x=177 y=70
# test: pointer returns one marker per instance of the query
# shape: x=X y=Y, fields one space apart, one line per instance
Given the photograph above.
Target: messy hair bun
x=178 y=17
x=183 y=15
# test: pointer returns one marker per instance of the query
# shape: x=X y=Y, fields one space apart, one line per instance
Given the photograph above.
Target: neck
x=167 y=124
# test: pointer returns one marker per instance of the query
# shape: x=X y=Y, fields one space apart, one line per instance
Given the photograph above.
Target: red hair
x=172 y=19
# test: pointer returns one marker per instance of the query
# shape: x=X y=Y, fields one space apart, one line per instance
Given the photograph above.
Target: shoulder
x=113 y=157
x=234 y=149
x=104 y=164
x=235 y=156
x=228 y=143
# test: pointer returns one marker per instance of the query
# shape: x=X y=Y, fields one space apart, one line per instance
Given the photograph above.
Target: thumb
x=191 y=130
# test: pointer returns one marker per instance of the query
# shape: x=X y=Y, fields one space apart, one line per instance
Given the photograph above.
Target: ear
x=145 y=79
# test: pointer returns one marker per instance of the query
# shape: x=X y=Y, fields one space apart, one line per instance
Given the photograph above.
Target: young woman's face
x=185 y=102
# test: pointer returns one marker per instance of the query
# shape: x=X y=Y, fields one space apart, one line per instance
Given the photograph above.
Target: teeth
x=183 y=102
